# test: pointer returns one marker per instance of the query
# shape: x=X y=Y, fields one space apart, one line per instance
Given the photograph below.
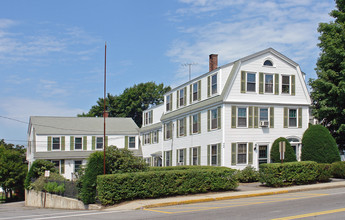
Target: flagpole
x=104 y=111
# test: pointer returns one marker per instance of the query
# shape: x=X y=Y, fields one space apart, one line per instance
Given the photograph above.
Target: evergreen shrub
x=289 y=154
x=319 y=145
x=116 y=188
x=324 y=172
x=247 y=175
x=37 y=169
x=40 y=183
x=338 y=169
x=292 y=173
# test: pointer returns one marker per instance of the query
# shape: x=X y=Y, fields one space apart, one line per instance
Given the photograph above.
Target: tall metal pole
x=190 y=68
x=105 y=89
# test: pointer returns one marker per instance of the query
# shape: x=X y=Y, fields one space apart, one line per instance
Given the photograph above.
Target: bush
x=115 y=188
x=247 y=175
x=338 y=169
x=324 y=172
x=37 y=169
x=39 y=184
x=179 y=168
x=117 y=161
x=292 y=173
x=319 y=145
x=289 y=154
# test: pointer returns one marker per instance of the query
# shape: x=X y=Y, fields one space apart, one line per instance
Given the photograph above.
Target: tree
x=37 y=169
x=289 y=154
x=319 y=145
x=13 y=170
x=131 y=103
x=328 y=90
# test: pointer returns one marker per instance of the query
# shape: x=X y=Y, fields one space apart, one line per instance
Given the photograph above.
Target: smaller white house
x=68 y=141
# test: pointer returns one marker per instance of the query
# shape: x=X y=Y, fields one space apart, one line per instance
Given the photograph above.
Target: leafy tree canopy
x=328 y=90
x=13 y=169
x=131 y=103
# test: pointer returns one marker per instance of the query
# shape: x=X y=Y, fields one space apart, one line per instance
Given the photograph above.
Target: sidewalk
x=244 y=190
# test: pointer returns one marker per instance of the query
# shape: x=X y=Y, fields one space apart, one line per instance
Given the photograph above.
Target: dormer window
x=268 y=63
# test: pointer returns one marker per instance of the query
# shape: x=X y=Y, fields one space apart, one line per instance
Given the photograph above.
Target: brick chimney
x=213 y=62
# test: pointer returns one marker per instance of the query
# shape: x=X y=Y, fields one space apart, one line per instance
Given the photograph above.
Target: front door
x=263 y=154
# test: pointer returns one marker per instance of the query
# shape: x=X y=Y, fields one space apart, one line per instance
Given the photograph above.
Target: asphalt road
x=320 y=204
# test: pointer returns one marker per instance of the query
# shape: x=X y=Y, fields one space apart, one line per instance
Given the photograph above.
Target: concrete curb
x=249 y=194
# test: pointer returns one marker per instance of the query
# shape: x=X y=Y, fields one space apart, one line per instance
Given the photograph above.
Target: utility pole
x=190 y=68
x=104 y=111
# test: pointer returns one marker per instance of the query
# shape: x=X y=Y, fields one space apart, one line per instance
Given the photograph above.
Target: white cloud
x=239 y=28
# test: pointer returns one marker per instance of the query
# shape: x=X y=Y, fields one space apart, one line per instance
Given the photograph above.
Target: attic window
x=268 y=63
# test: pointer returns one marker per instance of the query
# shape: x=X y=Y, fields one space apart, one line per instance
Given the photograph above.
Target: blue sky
x=52 y=52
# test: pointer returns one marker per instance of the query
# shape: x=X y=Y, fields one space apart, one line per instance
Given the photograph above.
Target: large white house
x=229 y=116
x=68 y=141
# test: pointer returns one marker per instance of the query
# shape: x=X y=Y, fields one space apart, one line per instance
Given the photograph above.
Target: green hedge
x=338 y=169
x=247 y=175
x=115 y=188
x=293 y=173
x=183 y=168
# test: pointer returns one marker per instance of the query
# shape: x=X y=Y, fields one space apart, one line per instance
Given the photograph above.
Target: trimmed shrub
x=289 y=154
x=247 y=175
x=324 y=172
x=54 y=187
x=37 y=169
x=116 y=188
x=319 y=145
x=179 y=168
x=117 y=161
x=338 y=169
x=292 y=173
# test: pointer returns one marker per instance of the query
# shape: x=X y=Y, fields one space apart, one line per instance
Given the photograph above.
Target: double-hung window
x=194 y=152
x=181 y=157
x=268 y=83
x=242 y=153
x=214 y=84
x=214 y=155
x=286 y=84
x=242 y=117
x=292 y=118
x=167 y=158
x=182 y=127
x=56 y=143
x=263 y=114
x=251 y=82
x=168 y=130
x=182 y=97
x=78 y=143
x=195 y=123
x=131 y=143
x=195 y=91
x=214 y=118
x=169 y=102
x=99 y=142
x=155 y=137
x=147 y=138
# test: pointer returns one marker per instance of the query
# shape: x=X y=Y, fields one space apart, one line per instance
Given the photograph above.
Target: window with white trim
x=251 y=82
x=56 y=143
x=78 y=143
x=56 y=164
x=77 y=165
x=195 y=91
x=169 y=102
x=99 y=142
x=182 y=100
x=131 y=142
x=181 y=127
x=195 y=128
x=168 y=130
x=292 y=117
x=242 y=117
x=181 y=157
x=268 y=63
x=194 y=156
x=263 y=114
x=214 y=118
x=268 y=83
x=214 y=155
x=214 y=84
x=155 y=137
x=241 y=153
x=286 y=84
x=147 y=138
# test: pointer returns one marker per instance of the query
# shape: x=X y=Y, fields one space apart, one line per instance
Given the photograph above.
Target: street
x=325 y=204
